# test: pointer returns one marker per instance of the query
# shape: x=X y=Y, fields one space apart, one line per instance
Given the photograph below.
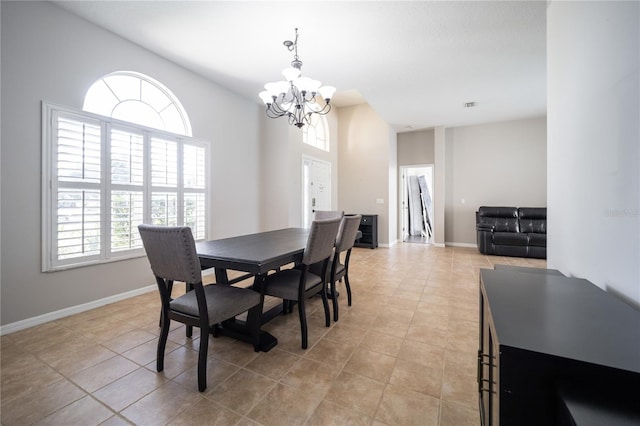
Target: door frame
x=402 y=188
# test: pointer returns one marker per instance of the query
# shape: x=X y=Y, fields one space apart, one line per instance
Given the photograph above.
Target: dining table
x=254 y=254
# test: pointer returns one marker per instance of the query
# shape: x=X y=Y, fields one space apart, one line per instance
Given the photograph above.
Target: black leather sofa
x=512 y=231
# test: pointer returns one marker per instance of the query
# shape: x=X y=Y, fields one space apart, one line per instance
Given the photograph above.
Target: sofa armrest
x=484 y=227
x=484 y=235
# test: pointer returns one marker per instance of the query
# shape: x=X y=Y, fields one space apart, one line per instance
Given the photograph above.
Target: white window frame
x=317 y=122
x=50 y=186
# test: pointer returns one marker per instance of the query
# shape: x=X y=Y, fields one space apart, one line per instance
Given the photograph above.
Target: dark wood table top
x=254 y=253
x=566 y=317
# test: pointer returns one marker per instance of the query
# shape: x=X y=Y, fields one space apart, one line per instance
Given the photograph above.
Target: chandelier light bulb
x=291 y=74
x=327 y=92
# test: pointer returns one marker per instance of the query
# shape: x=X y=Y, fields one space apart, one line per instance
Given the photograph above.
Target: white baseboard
x=460 y=245
x=51 y=316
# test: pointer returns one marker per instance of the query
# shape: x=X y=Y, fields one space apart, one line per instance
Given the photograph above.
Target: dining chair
x=172 y=255
x=336 y=269
x=327 y=214
x=298 y=284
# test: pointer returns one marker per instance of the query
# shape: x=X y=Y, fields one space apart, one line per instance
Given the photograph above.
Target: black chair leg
x=325 y=303
x=202 y=358
x=169 y=285
x=346 y=284
x=303 y=323
x=334 y=300
x=162 y=340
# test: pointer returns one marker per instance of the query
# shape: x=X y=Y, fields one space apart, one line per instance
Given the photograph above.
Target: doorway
x=417 y=203
x=316 y=188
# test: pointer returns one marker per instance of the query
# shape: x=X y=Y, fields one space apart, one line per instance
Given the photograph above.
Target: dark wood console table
x=542 y=331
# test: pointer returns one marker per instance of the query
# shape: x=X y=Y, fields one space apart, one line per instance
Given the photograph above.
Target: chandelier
x=295 y=97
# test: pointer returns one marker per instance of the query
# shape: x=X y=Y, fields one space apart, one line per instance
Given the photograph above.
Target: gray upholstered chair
x=327 y=214
x=337 y=270
x=298 y=284
x=172 y=255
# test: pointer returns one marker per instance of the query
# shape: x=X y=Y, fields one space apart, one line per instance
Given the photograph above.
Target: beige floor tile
x=72 y=360
x=238 y=353
x=285 y=405
x=461 y=362
x=128 y=389
x=330 y=352
x=328 y=414
x=85 y=411
x=452 y=414
x=205 y=412
x=115 y=421
x=241 y=391
x=25 y=375
x=461 y=389
x=417 y=377
x=422 y=353
x=103 y=373
x=383 y=343
x=161 y=405
x=401 y=406
x=344 y=332
x=430 y=335
x=307 y=373
x=374 y=365
x=32 y=407
x=355 y=392
x=129 y=340
x=273 y=364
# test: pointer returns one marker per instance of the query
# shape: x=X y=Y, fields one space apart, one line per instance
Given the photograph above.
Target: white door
x=316 y=188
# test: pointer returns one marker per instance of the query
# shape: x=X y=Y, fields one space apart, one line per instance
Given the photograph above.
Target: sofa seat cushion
x=510 y=239
x=538 y=240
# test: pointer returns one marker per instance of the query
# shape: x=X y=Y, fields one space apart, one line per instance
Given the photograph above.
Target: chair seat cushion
x=284 y=284
x=223 y=302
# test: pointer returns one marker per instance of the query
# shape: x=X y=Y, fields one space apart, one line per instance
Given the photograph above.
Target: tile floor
x=403 y=354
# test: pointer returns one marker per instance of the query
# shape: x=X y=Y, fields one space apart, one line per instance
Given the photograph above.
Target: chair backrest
x=327 y=214
x=349 y=229
x=172 y=252
x=322 y=239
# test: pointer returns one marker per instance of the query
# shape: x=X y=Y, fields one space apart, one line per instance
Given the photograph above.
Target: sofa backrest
x=533 y=219
x=502 y=219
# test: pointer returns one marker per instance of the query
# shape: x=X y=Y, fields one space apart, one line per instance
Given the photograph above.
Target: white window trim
x=49 y=186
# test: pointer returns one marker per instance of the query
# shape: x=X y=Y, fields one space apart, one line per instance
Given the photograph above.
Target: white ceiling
x=415 y=62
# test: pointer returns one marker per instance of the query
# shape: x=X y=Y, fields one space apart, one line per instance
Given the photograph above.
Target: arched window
x=316 y=133
x=127 y=159
x=137 y=98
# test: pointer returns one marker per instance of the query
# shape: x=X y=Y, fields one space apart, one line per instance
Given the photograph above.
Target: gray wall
x=593 y=97
x=367 y=168
x=498 y=164
x=416 y=148
x=49 y=54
